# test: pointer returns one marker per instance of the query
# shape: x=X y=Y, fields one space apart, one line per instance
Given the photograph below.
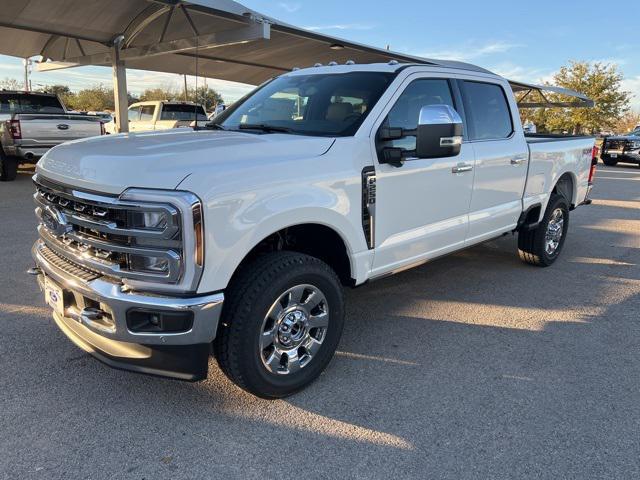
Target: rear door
x=501 y=158
x=147 y=119
x=422 y=206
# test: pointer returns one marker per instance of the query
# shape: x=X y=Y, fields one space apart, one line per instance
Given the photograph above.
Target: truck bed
x=551 y=157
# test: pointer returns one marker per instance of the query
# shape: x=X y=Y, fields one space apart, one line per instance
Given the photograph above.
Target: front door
x=422 y=206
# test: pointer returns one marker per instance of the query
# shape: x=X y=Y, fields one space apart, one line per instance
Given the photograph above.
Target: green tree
x=155 y=94
x=207 y=97
x=97 y=98
x=599 y=81
x=11 y=84
x=627 y=122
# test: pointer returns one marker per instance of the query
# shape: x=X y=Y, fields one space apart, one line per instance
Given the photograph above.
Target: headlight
x=155 y=220
x=170 y=236
x=635 y=145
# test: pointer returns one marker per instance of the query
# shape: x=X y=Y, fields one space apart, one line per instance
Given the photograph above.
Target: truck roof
x=392 y=67
x=22 y=92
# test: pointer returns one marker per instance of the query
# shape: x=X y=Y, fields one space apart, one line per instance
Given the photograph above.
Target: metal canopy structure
x=219 y=39
x=561 y=97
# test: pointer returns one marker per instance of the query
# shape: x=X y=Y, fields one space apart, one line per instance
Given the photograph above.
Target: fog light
x=140 y=263
x=147 y=321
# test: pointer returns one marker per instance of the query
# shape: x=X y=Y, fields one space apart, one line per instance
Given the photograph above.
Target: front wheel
x=542 y=245
x=609 y=162
x=281 y=324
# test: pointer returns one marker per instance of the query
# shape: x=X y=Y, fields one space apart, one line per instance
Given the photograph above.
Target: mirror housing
x=439 y=132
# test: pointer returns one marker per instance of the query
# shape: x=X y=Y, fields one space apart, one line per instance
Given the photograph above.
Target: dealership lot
x=473 y=366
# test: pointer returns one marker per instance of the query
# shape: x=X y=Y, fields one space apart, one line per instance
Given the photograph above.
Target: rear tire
x=609 y=162
x=8 y=168
x=542 y=245
x=281 y=324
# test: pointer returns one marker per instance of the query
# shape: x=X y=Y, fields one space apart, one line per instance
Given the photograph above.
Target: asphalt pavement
x=475 y=366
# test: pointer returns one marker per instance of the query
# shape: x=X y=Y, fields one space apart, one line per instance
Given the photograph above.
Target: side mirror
x=439 y=132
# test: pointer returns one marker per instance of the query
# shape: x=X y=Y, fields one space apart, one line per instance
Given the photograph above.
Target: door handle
x=518 y=160
x=462 y=167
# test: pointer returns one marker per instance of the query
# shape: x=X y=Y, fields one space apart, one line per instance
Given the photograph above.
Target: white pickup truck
x=165 y=115
x=157 y=249
x=31 y=123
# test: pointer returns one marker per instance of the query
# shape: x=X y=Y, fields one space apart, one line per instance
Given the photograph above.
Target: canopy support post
x=120 y=95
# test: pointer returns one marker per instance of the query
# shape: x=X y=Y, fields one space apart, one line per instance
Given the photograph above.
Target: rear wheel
x=542 y=245
x=610 y=162
x=8 y=167
x=281 y=324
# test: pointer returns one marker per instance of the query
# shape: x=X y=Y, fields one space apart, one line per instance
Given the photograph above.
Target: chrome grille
x=67 y=266
x=108 y=235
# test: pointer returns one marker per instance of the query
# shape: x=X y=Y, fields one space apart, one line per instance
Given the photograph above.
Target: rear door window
x=183 y=112
x=146 y=113
x=487 y=110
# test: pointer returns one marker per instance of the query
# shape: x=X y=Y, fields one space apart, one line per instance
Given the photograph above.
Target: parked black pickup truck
x=624 y=148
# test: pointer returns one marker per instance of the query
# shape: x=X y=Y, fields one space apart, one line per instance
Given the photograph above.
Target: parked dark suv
x=624 y=148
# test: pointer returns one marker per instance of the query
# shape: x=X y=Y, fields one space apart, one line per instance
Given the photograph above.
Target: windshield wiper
x=263 y=127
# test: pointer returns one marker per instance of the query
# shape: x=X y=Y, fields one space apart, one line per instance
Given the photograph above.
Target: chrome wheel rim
x=555 y=230
x=293 y=330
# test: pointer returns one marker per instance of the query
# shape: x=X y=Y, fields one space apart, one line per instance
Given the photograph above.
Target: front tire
x=281 y=324
x=609 y=162
x=8 y=168
x=542 y=245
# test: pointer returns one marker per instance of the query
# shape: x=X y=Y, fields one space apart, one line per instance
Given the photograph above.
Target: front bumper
x=626 y=157
x=181 y=355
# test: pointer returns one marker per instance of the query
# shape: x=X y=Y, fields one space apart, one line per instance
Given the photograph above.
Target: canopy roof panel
x=219 y=39
x=232 y=42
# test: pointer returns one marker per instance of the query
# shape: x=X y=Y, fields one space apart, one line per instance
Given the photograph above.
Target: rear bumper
x=182 y=355
x=27 y=153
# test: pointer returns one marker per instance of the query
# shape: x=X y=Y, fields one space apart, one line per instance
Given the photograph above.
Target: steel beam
x=120 y=88
x=257 y=31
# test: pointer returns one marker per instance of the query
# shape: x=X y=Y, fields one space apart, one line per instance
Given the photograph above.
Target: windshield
x=183 y=112
x=322 y=105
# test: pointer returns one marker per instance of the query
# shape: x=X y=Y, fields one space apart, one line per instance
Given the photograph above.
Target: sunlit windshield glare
x=321 y=104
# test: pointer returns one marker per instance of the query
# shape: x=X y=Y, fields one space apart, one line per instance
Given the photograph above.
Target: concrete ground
x=474 y=366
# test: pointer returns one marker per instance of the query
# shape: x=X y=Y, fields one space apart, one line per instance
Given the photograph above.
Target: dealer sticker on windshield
x=54 y=296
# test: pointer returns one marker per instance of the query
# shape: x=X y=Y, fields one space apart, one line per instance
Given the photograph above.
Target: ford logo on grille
x=55 y=221
x=63 y=126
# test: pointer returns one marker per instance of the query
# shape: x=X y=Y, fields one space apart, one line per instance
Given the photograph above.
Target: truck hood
x=113 y=163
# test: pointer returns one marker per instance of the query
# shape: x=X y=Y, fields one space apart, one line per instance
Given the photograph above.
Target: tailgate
x=55 y=129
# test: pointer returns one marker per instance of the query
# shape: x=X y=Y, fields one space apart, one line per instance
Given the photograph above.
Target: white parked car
x=155 y=246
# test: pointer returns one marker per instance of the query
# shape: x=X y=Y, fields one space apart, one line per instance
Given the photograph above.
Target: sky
x=526 y=41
